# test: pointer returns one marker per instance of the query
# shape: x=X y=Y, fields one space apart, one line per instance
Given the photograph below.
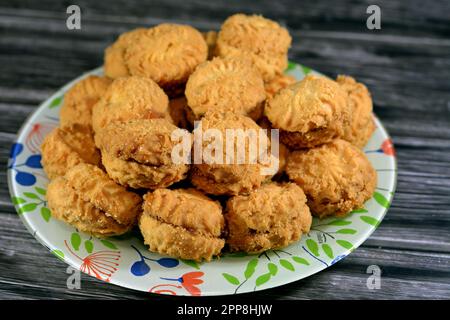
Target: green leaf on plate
x=18 y=200
x=328 y=251
x=370 y=220
x=345 y=244
x=56 y=102
x=301 y=260
x=339 y=223
x=306 y=70
x=362 y=210
x=59 y=254
x=75 y=240
x=191 y=263
x=30 y=195
x=287 y=265
x=273 y=269
x=250 y=269
x=291 y=66
x=231 y=279
x=28 y=207
x=382 y=201
x=46 y=213
x=41 y=191
x=346 y=231
x=89 y=246
x=109 y=244
x=313 y=247
x=262 y=279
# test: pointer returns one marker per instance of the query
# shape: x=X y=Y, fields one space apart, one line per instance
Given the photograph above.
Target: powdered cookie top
x=167 y=53
x=90 y=201
x=143 y=141
x=270 y=217
x=182 y=223
x=337 y=177
x=80 y=99
x=263 y=40
x=64 y=148
x=360 y=104
x=278 y=83
x=93 y=185
x=130 y=98
x=138 y=153
x=229 y=84
x=310 y=112
x=115 y=65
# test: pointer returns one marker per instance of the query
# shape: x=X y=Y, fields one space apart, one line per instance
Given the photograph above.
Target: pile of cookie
x=111 y=165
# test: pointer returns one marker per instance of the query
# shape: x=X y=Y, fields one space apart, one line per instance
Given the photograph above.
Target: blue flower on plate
x=141 y=268
x=33 y=161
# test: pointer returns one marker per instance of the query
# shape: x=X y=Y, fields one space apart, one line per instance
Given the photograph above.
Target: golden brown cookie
x=182 y=223
x=166 y=53
x=262 y=40
x=270 y=217
x=211 y=40
x=336 y=177
x=138 y=153
x=309 y=113
x=130 y=98
x=360 y=103
x=80 y=99
x=227 y=85
x=283 y=151
x=90 y=201
x=276 y=84
x=231 y=176
x=115 y=65
x=64 y=148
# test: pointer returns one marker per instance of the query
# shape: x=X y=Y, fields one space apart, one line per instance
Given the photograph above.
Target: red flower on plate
x=101 y=264
x=388 y=147
x=37 y=134
x=188 y=281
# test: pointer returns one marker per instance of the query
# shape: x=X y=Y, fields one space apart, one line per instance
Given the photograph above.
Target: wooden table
x=406 y=65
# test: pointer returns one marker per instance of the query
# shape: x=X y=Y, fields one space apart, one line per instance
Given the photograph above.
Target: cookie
x=264 y=41
x=64 y=148
x=270 y=217
x=115 y=65
x=336 y=177
x=276 y=84
x=309 y=113
x=226 y=84
x=167 y=53
x=80 y=99
x=138 y=153
x=360 y=104
x=231 y=176
x=182 y=223
x=90 y=201
x=130 y=98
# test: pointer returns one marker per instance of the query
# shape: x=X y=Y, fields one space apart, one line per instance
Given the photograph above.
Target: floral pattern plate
x=125 y=261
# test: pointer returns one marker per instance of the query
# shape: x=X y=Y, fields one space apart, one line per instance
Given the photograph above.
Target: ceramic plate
x=125 y=261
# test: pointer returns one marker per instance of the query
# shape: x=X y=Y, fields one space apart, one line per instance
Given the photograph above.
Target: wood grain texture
x=406 y=65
